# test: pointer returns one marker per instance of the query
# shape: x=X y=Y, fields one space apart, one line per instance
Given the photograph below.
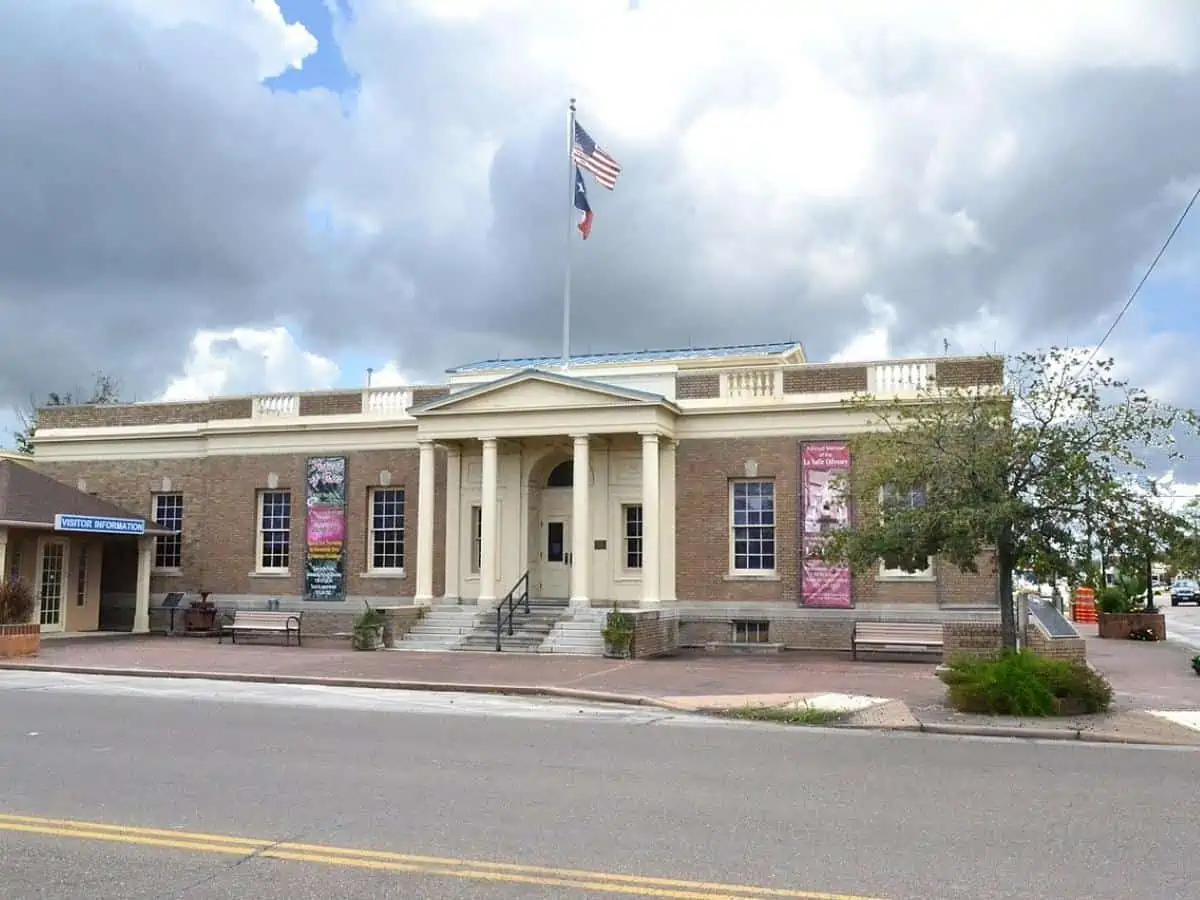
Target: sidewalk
x=1148 y=679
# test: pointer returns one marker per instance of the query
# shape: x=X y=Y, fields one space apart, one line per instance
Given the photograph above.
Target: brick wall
x=824 y=379
x=982 y=639
x=220 y=515
x=655 y=632
x=698 y=387
x=332 y=403
x=703 y=472
x=970 y=372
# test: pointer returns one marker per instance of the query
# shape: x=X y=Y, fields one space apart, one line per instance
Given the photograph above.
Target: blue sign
x=98 y=524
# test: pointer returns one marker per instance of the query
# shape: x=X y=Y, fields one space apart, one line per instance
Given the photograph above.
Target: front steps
x=578 y=634
x=530 y=630
x=442 y=628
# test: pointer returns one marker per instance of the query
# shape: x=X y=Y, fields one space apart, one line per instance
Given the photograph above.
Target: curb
x=566 y=693
x=1046 y=734
x=444 y=687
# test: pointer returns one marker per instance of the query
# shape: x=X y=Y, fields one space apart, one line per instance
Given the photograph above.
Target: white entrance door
x=51 y=582
x=554 y=554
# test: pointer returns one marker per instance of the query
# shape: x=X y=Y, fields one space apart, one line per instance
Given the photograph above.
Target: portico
x=566 y=479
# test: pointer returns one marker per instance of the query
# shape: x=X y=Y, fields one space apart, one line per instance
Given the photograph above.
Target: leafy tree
x=1007 y=477
x=105 y=389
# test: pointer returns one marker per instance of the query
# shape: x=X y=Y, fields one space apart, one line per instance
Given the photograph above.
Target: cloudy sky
x=217 y=196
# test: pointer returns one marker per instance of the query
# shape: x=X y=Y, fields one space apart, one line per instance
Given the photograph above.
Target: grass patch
x=1024 y=684
x=798 y=714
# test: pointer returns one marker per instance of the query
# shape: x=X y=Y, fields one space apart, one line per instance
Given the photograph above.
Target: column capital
x=650 y=437
x=425 y=443
x=491 y=440
x=581 y=438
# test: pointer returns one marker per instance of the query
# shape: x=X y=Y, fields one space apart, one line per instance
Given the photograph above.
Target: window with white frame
x=386 y=531
x=631 y=518
x=81 y=576
x=168 y=548
x=274 y=531
x=752 y=526
x=476 y=539
x=912 y=498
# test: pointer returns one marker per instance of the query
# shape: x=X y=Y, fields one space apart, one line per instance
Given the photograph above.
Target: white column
x=453 y=526
x=666 y=522
x=581 y=532
x=425 y=511
x=3 y=554
x=487 y=512
x=141 y=603
x=650 y=531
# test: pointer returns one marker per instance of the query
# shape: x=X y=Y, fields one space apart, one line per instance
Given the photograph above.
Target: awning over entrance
x=29 y=499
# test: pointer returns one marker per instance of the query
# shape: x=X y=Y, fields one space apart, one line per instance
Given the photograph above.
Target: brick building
x=684 y=482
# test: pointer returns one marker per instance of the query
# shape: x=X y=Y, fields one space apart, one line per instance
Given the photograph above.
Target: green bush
x=1024 y=684
x=16 y=602
x=1113 y=600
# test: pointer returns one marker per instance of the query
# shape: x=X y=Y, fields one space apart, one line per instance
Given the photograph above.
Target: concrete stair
x=579 y=634
x=442 y=628
x=530 y=630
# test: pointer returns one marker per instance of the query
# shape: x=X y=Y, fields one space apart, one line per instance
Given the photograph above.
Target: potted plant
x=618 y=634
x=201 y=615
x=1196 y=664
x=368 y=630
x=19 y=634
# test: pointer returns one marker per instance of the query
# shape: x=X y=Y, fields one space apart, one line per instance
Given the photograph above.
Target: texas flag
x=581 y=204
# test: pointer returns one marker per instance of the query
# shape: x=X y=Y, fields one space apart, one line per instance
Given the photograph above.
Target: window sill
x=167 y=573
x=383 y=573
x=751 y=576
x=906 y=578
x=284 y=574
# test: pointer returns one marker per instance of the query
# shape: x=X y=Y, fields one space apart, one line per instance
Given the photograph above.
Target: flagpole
x=566 y=327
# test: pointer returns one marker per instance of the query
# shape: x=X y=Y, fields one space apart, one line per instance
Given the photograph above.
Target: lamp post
x=1150 y=547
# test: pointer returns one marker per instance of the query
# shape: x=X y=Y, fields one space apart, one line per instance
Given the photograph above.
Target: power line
x=1146 y=277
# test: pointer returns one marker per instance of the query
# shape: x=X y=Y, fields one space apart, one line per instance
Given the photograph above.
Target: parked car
x=1185 y=590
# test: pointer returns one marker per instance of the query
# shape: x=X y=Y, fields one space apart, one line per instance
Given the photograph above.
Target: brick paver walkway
x=683 y=675
x=1145 y=675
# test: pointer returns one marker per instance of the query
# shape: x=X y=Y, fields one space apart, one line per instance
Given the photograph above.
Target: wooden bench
x=263 y=622
x=899 y=636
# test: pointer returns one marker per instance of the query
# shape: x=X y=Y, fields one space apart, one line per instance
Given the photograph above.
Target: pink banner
x=823 y=510
x=326 y=529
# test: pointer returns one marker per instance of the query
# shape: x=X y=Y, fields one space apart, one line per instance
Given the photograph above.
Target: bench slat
x=280 y=621
x=897 y=635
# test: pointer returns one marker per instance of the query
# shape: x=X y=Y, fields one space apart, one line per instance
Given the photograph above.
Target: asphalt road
x=293 y=792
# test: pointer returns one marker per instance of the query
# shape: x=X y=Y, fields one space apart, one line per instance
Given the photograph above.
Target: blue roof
x=629 y=356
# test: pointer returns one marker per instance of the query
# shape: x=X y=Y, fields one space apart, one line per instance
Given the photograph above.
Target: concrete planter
x=368 y=637
x=1119 y=625
x=20 y=640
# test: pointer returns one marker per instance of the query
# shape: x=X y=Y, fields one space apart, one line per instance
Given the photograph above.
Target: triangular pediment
x=536 y=390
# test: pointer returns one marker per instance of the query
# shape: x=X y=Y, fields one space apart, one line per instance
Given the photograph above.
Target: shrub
x=1113 y=600
x=1196 y=664
x=1024 y=684
x=16 y=602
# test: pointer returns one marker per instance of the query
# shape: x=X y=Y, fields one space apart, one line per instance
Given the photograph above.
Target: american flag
x=589 y=157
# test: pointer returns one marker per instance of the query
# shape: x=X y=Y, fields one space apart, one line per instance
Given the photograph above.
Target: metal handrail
x=517 y=597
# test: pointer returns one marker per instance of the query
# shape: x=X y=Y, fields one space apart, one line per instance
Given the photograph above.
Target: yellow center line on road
x=385 y=861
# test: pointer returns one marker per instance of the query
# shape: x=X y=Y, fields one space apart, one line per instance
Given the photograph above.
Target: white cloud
x=259 y=24
x=391 y=375
x=248 y=360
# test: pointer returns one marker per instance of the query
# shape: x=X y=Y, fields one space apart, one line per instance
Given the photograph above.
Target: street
x=122 y=789
x=1183 y=623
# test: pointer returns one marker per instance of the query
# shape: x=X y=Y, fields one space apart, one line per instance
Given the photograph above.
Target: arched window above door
x=563 y=475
